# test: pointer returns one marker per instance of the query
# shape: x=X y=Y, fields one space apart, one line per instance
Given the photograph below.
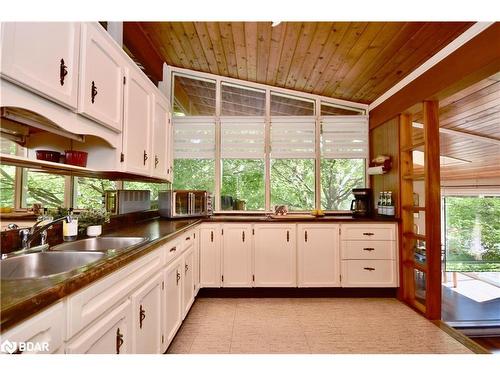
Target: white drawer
x=369 y=273
x=88 y=304
x=45 y=330
x=187 y=240
x=173 y=249
x=368 y=249
x=370 y=232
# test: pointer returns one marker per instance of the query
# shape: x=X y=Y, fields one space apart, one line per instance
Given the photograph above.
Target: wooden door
x=101 y=77
x=210 y=256
x=43 y=57
x=318 y=255
x=237 y=255
x=161 y=142
x=188 y=281
x=137 y=124
x=146 y=316
x=110 y=335
x=275 y=255
x=172 y=299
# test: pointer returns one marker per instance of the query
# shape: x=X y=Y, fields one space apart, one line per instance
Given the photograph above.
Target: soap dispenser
x=70 y=230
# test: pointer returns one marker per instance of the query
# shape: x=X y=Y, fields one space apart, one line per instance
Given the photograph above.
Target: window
x=153 y=187
x=292 y=183
x=89 y=192
x=287 y=105
x=242 y=101
x=338 y=178
x=7 y=185
x=44 y=188
x=194 y=174
x=328 y=109
x=243 y=186
x=193 y=96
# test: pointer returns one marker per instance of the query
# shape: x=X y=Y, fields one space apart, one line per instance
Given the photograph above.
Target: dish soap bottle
x=44 y=218
x=70 y=230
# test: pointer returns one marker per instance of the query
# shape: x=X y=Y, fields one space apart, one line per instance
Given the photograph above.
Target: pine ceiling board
x=305 y=39
x=467 y=112
x=293 y=31
x=251 y=42
x=228 y=45
x=204 y=58
x=264 y=33
x=277 y=37
x=362 y=46
x=337 y=33
x=158 y=34
x=195 y=60
x=208 y=49
x=215 y=39
x=328 y=77
x=177 y=45
x=238 y=29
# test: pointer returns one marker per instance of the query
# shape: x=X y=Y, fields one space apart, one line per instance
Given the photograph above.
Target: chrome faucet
x=28 y=235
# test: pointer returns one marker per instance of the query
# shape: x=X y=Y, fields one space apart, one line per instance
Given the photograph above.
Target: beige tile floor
x=309 y=325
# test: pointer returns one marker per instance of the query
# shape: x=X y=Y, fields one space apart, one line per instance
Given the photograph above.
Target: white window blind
x=194 y=137
x=344 y=137
x=292 y=137
x=242 y=137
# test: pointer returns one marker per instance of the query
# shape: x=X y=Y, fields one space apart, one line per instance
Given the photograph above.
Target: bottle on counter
x=44 y=218
x=70 y=230
x=390 y=206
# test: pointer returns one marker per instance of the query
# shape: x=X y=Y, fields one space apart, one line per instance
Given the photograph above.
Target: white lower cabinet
x=210 y=256
x=275 y=255
x=187 y=281
x=147 y=315
x=112 y=334
x=172 y=299
x=318 y=255
x=237 y=255
x=196 y=276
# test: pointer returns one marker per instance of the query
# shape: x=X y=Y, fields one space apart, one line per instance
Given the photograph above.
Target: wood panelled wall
x=384 y=140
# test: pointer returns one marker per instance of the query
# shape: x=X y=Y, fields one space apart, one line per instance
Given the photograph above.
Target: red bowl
x=48 y=155
x=78 y=158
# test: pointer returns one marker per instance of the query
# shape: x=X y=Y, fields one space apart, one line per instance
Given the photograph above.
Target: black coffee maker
x=361 y=205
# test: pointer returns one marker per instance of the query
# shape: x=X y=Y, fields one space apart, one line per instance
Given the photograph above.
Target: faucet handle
x=24 y=233
x=43 y=236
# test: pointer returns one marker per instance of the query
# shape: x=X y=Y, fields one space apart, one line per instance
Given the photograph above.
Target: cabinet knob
x=119 y=340
x=142 y=316
x=63 y=72
x=93 y=93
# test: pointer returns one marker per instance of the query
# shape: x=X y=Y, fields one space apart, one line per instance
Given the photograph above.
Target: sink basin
x=45 y=264
x=100 y=244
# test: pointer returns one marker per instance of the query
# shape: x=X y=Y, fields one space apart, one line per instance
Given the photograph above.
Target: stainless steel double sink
x=66 y=257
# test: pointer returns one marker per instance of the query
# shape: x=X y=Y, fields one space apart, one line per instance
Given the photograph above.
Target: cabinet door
x=101 y=77
x=146 y=316
x=170 y=147
x=275 y=255
x=110 y=335
x=196 y=246
x=161 y=146
x=188 y=282
x=237 y=255
x=210 y=273
x=43 y=57
x=172 y=300
x=318 y=255
x=137 y=124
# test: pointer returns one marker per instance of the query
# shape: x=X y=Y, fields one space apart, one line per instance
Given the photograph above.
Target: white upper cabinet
x=137 y=124
x=101 y=77
x=43 y=57
x=237 y=255
x=275 y=255
x=160 y=165
x=318 y=255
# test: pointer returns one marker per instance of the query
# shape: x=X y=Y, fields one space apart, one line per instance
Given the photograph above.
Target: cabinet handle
x=369 y=268
x=142 y=315
x=178 y=278
x=93 y=92
x=145 y=157
x=243 y=236
x=212 y=236
x=368 y=248
x=187 y=238
x=173 y=249
x=287 y=236
x=186 y=268
x=63 y=72
x=119 y=340
x=156 y=160
x=305 y=236
x=368 y=234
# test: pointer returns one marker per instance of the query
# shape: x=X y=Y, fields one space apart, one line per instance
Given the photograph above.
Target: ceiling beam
x=475 y=60
x=463 y=134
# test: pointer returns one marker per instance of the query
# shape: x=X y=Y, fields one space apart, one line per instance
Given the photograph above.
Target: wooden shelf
x=414 y=208
x=412 y=147
x=70 y=170
x=417 y=265
x=414 y=236
x=414 y=176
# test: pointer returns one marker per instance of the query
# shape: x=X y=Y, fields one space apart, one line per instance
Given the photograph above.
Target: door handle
x=178 y=278
x=369 y=268
x=287 y=236
x=243 y=236
x=212 y=236
x=93 y=93
x=186 y=268
x=145 y=157
x=156 y=160
x=305 y=236
x=119 y=340
x=142 y=316
x=63 y=72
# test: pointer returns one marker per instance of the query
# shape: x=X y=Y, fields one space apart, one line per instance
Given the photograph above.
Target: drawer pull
x=188 y=238
x=173 y=249
x=368 y=234
x=369 y=268
x=142 y=316
x=368 y=248
x=119 y=340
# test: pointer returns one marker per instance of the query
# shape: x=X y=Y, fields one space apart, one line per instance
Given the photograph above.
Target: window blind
x=292 y=137
x=344 y=137
x=242 y=137
x=194 y=137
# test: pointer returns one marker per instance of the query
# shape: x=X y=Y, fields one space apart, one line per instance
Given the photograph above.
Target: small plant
x=93 y=216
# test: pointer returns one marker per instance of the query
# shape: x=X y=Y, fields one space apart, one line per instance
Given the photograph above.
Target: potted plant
x=92 y=220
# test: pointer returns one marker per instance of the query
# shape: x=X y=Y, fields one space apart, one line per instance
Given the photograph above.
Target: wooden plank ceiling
x=356 y=61
x=474 y=111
